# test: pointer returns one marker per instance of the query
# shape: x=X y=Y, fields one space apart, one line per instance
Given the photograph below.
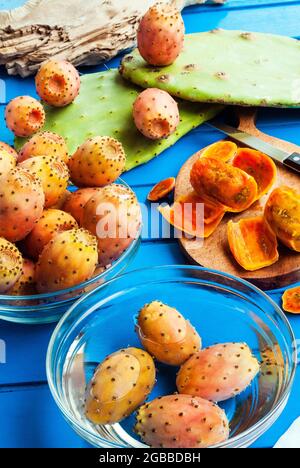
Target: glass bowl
x=49 y=307
x=221 y=307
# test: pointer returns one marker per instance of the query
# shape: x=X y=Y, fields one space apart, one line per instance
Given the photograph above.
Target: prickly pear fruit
x=44 y=144
x=9 y=149
x=114 y=216
x=160 y=35
x=76 y=202
x=97 y=162
x=7 y=163
x=155 y=113
x=10 y=264
x=52 y=173
x=50 y=223
x=25 y=285
x=21 y=204
x=181 y=421
x=67 y=260
x=62 y=200
x=57 y=82
x=166 y=334
x=119 y=385
x=218 y=372
x=24 y=116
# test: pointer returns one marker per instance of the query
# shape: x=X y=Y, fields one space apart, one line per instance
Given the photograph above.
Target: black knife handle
x=293 y=162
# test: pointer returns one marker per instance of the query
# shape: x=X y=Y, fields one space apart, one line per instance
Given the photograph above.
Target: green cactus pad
x=104 y=107
x=228 y=67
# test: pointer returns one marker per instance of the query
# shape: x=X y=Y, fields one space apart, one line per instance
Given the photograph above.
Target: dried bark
x=85 y=32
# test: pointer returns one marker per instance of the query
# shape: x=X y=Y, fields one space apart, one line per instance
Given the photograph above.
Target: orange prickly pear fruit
x=119 y=385
x=181 y=421
x=166 y=334
x=24 y=116
x=218 y=372
x=57 y=82
x=11 y=262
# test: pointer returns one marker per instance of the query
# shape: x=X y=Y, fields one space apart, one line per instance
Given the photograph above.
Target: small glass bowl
x=221 y=307
x=49 y=307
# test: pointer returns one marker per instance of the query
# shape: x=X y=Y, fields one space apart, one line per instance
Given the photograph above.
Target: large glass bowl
x=221 y=307
x=49 y=307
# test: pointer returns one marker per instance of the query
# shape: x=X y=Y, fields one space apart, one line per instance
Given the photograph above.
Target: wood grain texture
x=214 y=251
x=247 y=123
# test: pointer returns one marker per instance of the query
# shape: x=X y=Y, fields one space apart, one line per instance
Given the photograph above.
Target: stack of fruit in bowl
x=51 y=238
x=190 y=418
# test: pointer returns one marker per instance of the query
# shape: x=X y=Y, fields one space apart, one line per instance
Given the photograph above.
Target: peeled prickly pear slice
x=166 y=334
x=161 y=189
x=50 y=223
x=25 y=285
x=225 y=184
x=291 y=300
x=181 y=421
x=194 y=215
x=266 y=75
x=119 y=385
x=282 y=212
x=218 y=372
x=223 y=150
x=258 y=165
x=252 y=243
x=106 y=100
x=10 y=264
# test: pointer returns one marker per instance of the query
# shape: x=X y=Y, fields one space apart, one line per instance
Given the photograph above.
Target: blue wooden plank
x=25 y=350
x=8 y=4
x=268 y=19
x=239 y=5
x=30 y=418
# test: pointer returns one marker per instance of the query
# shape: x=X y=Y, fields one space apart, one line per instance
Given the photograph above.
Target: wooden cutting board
x=214 y=251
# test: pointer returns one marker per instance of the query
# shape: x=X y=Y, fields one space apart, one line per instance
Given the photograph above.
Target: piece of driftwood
x=85 y=32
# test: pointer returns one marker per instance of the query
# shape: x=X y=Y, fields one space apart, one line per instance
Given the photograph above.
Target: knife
x=290 y=160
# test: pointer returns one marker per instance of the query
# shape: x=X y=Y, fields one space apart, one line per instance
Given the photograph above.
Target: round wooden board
x=214 y=251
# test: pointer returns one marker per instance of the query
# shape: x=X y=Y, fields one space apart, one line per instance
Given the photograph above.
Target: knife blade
x=291 y=160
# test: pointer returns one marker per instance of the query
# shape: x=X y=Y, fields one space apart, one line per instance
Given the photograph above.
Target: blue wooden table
x=29 y=416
